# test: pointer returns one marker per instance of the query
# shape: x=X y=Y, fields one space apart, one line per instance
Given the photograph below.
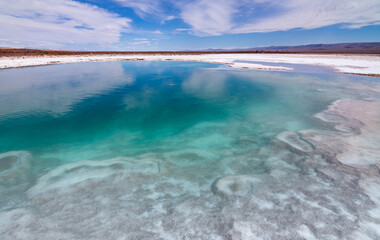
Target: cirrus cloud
x=309 y=14
x=56 y=23
x=218 y=17
x=146 y=8
x=70 y=24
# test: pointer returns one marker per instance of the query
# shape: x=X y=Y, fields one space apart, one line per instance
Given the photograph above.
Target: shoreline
x=365 y=65
x=350 y=145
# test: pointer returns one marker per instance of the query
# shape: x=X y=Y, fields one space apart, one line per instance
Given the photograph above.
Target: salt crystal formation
x=295 y=141
x=190 y=157
x=14 y=176
x=91 y=171
x=307 y=184
x=14 y=168
x=236 y=185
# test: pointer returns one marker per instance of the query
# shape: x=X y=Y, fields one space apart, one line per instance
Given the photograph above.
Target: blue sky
x=185 y=24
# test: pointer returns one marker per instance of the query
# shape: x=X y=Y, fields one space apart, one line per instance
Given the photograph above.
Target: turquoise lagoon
x=168 y=150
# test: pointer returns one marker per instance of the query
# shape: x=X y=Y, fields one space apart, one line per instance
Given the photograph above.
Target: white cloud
x=56 y=23
x=157 y=32
x=139 y=42
x=209 y=17
x=168 y=18
x=144 y=8
x=183 y=29
x=226 y=17
x=68 y=23
x=309 y=14
x=217 y=17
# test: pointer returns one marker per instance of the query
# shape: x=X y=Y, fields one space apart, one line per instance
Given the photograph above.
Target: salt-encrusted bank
x=353 y=64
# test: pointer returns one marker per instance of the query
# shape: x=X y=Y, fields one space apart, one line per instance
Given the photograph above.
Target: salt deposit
x=236 y=185
x=72 y=174
x=14 y=168
x=190 y=157
x=354 y=64
x=295 y=141
x=15 y=177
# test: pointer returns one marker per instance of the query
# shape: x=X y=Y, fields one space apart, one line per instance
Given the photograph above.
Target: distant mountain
x=359 y=48
x=367 y=47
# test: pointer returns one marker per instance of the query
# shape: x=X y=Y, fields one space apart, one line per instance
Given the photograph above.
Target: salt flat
x=344 y=63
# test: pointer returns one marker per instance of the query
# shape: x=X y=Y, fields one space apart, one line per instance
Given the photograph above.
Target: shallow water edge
x=134 y=197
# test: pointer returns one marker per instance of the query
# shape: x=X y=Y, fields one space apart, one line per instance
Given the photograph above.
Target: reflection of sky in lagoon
x=181 y=146
x=53 y=90
x=101 y=110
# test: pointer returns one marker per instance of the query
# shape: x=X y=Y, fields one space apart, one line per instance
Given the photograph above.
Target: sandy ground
x=352 y=64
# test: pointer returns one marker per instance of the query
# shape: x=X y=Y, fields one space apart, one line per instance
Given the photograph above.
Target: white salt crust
x=300 y=196
x=344 y=63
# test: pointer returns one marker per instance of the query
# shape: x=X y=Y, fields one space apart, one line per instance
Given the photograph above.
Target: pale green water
x=198 y=121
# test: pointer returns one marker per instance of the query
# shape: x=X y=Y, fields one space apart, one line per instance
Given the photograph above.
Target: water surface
x=158 y=136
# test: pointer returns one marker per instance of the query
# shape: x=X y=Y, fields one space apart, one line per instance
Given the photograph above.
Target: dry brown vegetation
x=17 y=52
